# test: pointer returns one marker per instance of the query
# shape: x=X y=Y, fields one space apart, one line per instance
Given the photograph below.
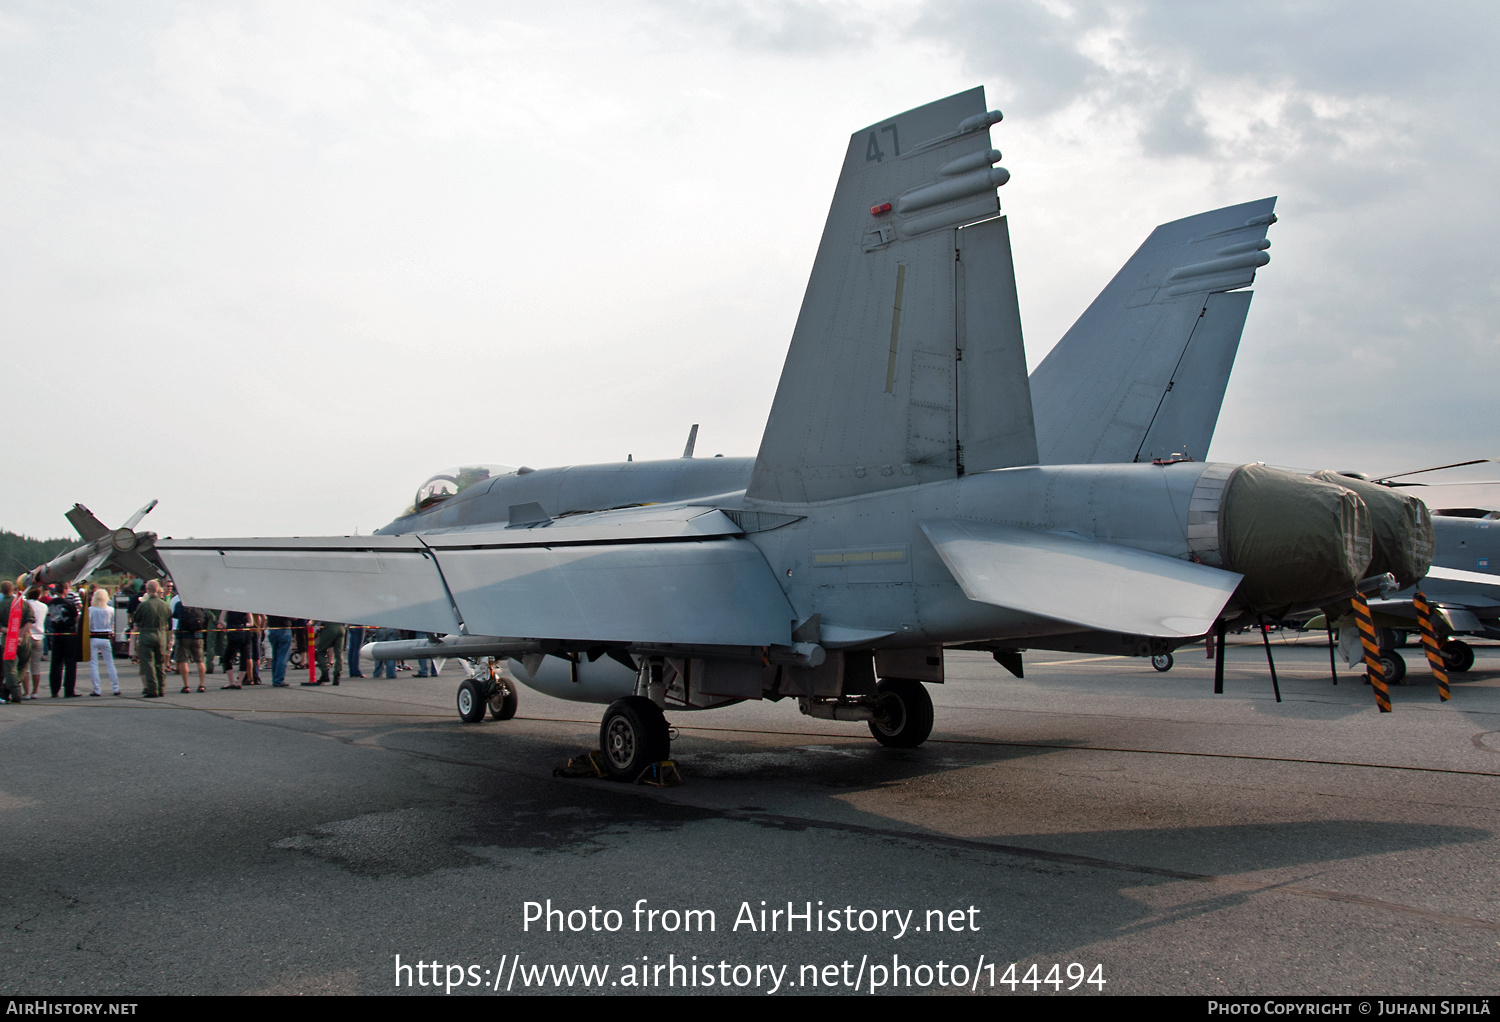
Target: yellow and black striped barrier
x=1430 y=644
x=1372 y=652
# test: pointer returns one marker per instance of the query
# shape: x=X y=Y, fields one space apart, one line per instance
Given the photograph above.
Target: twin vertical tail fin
x=906 y=365
x=1142 y=373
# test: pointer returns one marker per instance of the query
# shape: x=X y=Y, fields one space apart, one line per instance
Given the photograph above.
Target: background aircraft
x=121 y=549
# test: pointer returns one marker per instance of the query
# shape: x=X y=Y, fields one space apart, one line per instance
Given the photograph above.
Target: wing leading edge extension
x=1082 y=581
x=688 y=581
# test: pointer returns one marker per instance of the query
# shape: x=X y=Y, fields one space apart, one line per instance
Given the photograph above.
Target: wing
x=687 y=577
x=1460 y=575
x=1097 y=585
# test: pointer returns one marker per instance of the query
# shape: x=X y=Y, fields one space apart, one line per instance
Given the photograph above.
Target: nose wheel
x=478 y=695
x=471 y=701
x=503 y=699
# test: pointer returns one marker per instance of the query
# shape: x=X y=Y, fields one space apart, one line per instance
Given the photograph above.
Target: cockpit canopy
x=450 y=482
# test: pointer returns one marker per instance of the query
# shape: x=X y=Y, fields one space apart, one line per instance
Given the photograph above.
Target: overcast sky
x=275 y=263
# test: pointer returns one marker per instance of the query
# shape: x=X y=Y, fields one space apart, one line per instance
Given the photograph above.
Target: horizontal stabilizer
x=1096 y=585
x=1460 y=575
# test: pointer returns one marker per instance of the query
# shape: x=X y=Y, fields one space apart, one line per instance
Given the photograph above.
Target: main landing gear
x=903 y=713
x=1458 y=656
x=487 y=690
x=632 y=736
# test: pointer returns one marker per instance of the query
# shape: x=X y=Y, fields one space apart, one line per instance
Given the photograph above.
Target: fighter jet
x=1462 y=586
x=896 y=506
x=123 y=549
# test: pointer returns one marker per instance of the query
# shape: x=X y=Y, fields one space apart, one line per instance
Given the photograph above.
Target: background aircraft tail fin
x=1142 y=373
x=906 y=365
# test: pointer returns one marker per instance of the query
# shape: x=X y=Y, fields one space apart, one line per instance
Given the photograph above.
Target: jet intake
x=1403 y=537
x=1296 y=539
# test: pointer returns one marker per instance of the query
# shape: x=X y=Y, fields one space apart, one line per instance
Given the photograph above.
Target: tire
x=503 y=701
x=471 y=702
x=1393 y=667
x=906 y=713
x=1458 y=655
x=1162 y=662
x=632 y=736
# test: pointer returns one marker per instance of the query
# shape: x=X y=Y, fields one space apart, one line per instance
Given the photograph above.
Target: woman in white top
x=38 y=636
x=101 y=625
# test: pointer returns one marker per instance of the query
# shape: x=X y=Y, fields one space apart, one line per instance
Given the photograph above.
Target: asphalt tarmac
x=1131 y=828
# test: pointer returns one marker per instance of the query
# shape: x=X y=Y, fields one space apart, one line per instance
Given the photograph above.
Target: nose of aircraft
x=1296 y=539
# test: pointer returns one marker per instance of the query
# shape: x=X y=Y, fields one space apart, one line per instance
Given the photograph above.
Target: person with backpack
x=64 y=618
x=191 y=622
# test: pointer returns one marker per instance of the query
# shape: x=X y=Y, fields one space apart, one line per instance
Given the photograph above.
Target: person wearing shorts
x=237 y=646
x=189 y=650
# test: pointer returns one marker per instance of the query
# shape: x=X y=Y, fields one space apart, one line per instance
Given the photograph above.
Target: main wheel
x=905 y=713
x=1393 y=667
x=503 y=701
x=1162 y=661
x=633 y=735
x=1457 y=655
x=470 y=701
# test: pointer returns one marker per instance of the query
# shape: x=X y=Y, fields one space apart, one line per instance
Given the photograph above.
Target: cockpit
x=450 y=482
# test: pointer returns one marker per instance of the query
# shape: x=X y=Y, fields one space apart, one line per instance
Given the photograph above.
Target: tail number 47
x=872 y=147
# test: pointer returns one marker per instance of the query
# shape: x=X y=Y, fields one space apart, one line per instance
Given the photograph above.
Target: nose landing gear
x=490 y=690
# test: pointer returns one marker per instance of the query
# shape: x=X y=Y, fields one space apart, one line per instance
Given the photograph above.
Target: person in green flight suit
x=152 y=620
x=330 y=639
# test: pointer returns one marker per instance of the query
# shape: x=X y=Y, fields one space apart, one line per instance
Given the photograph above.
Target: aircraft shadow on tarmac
x=1151 y=858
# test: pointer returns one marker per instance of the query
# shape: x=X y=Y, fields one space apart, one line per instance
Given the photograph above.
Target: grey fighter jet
x=896 y=506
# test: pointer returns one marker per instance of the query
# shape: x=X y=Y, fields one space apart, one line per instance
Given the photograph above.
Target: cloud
x=1175 y=128
x=1375 y=124
x=792 y=27
x=1034 y=49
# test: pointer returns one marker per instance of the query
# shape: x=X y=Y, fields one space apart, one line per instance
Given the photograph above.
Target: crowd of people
x=160 y=633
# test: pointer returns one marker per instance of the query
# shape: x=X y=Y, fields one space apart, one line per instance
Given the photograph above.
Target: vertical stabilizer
x=1142 y=373
x=906 y=365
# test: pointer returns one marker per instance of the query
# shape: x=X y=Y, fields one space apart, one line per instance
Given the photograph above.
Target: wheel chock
x=590 y=764
x=661 y=775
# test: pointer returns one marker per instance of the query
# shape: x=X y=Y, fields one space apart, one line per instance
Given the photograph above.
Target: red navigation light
x=884 y=207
